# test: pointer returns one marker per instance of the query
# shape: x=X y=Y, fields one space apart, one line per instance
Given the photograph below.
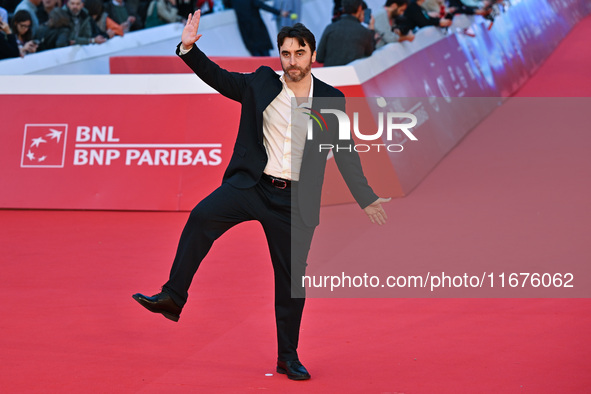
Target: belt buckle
x=279 y=183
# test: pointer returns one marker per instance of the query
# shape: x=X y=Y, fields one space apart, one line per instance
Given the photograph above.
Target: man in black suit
x=275 y=176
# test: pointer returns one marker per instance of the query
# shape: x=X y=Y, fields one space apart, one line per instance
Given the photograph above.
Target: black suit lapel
x=266 y=95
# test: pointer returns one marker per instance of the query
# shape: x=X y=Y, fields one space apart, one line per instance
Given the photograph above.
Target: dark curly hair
x=299 y=32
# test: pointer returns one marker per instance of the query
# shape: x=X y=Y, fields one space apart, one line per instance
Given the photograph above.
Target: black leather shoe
x=160 y=303
x=293 y=369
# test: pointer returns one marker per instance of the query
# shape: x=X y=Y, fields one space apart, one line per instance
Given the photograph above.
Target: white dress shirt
x=284 y=133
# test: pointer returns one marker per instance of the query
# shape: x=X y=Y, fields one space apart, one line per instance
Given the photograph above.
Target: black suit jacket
x=255 y=91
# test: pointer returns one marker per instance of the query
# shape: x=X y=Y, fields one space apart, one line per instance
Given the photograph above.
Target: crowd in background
x=29 y=26
x=355 y=31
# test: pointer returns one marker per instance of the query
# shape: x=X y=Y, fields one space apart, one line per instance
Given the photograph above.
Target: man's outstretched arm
x=349 y=165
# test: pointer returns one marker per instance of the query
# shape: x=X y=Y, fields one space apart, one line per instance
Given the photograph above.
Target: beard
x=297 y=77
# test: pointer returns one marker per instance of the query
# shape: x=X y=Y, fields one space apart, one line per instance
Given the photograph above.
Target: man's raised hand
x=190 y=35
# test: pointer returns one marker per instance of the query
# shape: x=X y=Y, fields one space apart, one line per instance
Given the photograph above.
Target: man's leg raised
x=214 y=215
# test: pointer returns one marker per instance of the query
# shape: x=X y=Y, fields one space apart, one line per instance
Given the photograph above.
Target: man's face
x=75 y=6
x=296 y=60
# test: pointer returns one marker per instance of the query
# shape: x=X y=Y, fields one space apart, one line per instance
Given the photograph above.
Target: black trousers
x=287 y=236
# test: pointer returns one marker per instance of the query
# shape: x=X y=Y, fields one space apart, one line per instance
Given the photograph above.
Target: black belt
x=279 y=183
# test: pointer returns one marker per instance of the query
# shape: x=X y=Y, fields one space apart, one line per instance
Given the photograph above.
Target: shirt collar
x=290 y=92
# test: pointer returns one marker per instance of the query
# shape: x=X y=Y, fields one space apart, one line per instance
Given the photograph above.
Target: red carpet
x=69 y=323
x=566 y=72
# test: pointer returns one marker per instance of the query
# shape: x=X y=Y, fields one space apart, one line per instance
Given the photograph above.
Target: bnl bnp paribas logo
x=44 y=146
x=395 y=125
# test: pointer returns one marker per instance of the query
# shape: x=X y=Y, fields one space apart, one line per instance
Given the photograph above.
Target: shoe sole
x=169 y=316
x=284 y=372
x=174 y=318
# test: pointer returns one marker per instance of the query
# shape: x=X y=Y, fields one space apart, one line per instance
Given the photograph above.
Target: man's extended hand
x=190 y=35
x=375 y=211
